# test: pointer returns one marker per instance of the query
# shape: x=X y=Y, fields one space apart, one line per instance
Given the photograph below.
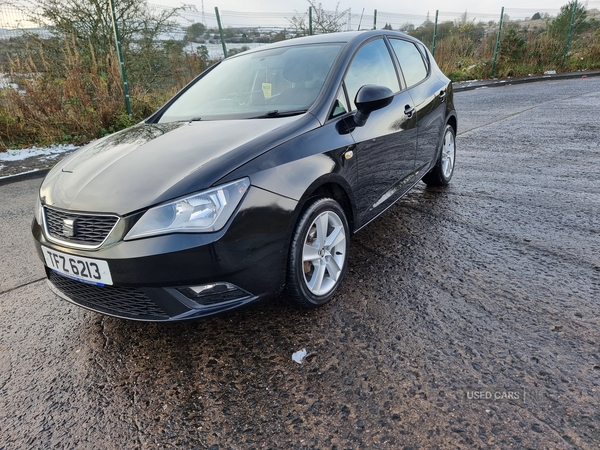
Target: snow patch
x=5 y=82
x=44 y=152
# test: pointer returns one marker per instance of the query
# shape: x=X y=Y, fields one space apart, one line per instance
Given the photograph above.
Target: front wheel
x=318 y=254
x=442 y=172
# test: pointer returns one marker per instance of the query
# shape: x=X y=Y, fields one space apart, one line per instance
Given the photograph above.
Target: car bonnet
x=151 y=163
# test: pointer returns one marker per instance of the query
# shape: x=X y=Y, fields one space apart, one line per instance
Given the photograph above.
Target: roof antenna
x=360 y=21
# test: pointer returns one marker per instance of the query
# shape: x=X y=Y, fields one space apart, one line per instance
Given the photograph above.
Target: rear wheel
x=318 y=254
x=442 y=172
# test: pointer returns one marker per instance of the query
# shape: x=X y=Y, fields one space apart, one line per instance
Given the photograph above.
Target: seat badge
x=69 y=228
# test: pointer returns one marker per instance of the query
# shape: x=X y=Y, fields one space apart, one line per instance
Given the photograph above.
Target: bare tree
x=145 y=34
x=407 y=27
x=322 y=21
x=90 y=21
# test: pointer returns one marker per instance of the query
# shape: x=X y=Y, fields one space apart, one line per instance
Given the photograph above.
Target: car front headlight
x=203 y=212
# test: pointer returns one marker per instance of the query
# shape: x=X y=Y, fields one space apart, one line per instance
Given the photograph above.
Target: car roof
x=339 y=37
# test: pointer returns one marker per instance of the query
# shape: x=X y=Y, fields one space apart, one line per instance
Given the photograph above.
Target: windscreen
x=268 y=83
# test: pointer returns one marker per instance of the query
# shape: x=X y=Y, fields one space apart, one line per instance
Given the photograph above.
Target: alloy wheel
x=324 y=253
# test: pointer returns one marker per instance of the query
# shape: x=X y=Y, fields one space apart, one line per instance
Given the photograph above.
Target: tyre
x=318 y=254
x=442 y=172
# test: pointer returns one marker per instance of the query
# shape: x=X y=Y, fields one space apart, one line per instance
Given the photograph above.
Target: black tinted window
x=411 y=61
x=340 y=107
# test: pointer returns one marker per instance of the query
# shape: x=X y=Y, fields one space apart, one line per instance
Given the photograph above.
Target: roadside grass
x=64 y=98
x=521 y=53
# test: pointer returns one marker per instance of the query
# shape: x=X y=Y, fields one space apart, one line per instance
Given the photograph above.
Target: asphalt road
x=488 y=288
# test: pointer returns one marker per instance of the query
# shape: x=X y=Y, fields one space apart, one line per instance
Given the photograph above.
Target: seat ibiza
x=250 y=180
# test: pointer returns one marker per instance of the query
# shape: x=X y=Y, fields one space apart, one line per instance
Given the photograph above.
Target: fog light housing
x=214 y=293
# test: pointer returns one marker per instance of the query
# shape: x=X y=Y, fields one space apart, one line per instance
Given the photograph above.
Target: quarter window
x=411 y=61
x=372 y=64
x=340 y=107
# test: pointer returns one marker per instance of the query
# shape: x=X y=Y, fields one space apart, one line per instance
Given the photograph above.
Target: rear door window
x=411 y=61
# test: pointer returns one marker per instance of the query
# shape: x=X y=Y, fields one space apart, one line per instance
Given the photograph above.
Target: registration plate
x=94 y=271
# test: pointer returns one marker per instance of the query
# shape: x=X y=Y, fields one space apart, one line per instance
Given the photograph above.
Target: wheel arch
x=333 y=189
x=453 y=122
x=329 y=187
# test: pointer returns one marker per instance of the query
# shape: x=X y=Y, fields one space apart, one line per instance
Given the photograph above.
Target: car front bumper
x=185 y=276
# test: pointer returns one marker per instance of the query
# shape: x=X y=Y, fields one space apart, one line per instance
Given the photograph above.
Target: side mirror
x=370 y=98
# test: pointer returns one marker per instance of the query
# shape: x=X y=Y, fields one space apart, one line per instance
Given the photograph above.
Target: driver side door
x=386 y=144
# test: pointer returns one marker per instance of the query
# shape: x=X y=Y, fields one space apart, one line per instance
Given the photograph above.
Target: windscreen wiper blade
x=277 y=113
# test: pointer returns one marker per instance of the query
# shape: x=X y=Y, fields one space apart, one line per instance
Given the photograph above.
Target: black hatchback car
x=250 y=179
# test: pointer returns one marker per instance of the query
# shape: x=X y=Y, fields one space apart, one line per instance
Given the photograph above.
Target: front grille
x=88 y=230
x=118 y=301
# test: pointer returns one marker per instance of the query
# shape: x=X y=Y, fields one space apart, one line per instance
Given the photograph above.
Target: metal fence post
x=497 y=43
x=120 y=57
x=434 y=33
x=570 y=32
x=375 y=20
x=221 y=32
x=310 y=21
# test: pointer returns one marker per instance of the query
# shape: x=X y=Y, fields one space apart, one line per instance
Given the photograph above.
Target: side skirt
x=413 y=179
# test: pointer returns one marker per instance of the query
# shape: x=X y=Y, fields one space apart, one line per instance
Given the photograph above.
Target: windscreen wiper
x=277 y=113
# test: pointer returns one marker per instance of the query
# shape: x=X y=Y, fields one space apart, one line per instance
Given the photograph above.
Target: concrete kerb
x=470 y=85
x=24 y=176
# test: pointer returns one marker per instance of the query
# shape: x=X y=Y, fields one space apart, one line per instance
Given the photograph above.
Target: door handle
x=409 y=111
x=442 y=94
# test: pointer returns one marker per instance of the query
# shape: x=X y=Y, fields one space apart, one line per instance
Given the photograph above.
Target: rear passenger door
x=428 y=93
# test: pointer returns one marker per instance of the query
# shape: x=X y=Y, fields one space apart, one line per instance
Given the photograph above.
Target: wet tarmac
x=469 y=318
